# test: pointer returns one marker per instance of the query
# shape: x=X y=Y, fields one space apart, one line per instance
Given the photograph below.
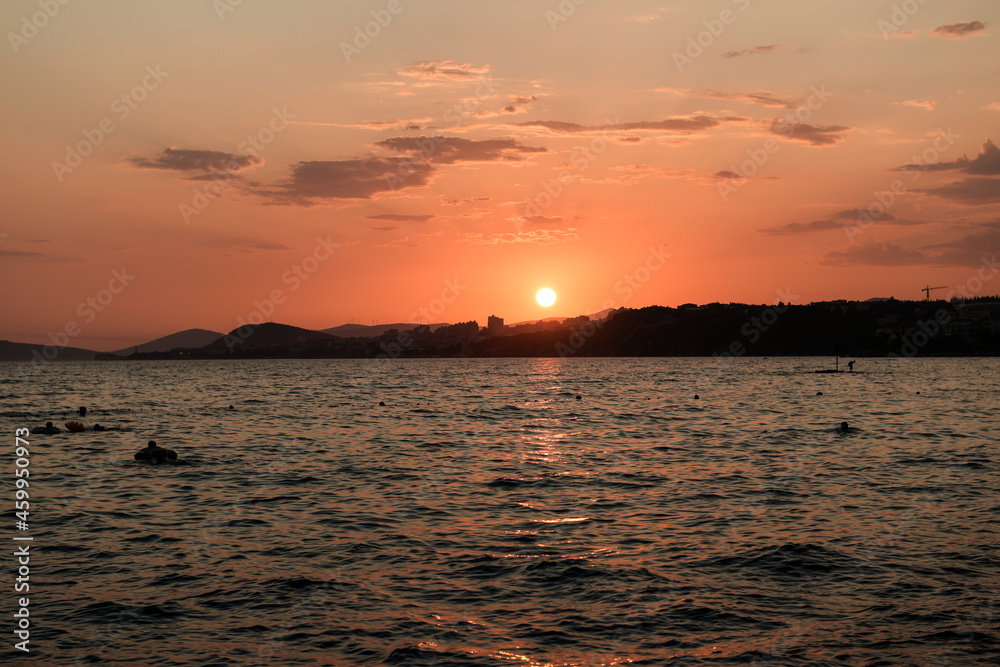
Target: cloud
x=929 y=105
x=875 y=254
x=539 y=221
x=37 y=256
x=970 y=249
x=516 y=104
x=987 y=163
x=682 y=125
x=536 y=236
x=757 y=50
x=967 y=251
x=223 y=176
x=762 y=98
x=398 y=243
x=633 y=173
x=345 y=179
x=259 y=246
x=971 y=191
x=445 y=69
x=395 y=217
x=401 y=123
x=364 y=178
x=182 y=159
x=267 y=245
x=384 y=229
x=449 y=150
x=467 y=200
x=901 y=33
x=838 y=220
x=20 y=253
x=959 y=30
x=815 y=135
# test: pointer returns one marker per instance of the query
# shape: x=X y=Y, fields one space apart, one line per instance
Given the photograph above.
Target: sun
x=545 y=297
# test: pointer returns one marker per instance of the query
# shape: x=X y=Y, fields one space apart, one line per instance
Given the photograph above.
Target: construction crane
x=928 y=290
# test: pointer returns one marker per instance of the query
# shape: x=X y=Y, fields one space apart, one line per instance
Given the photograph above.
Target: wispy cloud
x=971 y=191
x=679 y=125
x=959 y=30
x=838 y=220
x=445 y=69
x=758 y=50
x=516 y=104
x=449 y=150
x=397 y=217
x=876 y=254
x=764 y=98
x=929 y=105
x=987 y=163
x=310 y=182
x=467 y=200
x=398 y=124
x=182 y=159
x=510 y=238
x=814 y=135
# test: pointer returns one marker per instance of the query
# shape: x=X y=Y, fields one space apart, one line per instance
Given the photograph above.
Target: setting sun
x=545 y=297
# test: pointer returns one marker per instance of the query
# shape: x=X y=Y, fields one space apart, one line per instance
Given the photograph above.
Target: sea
x=504 y=513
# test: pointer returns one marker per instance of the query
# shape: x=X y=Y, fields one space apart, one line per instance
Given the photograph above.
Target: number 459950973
x=21 y=472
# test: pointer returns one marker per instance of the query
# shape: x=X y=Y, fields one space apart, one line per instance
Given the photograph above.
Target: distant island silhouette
x=881 y=327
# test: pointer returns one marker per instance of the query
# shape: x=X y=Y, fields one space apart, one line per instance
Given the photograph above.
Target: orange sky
x=194 y=163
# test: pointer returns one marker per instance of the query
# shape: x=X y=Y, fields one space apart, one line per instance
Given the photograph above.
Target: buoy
x=819 y=393
x=697 y=397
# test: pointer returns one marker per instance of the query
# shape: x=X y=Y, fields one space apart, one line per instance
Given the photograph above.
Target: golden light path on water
x=486 y=515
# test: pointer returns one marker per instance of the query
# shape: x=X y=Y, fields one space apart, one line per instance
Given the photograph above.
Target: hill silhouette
x=10 y=351
x=370 y=331
x=182 y=339
x=270 y=335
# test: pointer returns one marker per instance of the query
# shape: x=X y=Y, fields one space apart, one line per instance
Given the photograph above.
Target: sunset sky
x=181 y=164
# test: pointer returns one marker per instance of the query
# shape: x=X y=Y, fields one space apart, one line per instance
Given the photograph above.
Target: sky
x=207 y=163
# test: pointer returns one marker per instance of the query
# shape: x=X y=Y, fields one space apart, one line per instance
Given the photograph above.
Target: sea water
x=510 y=512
